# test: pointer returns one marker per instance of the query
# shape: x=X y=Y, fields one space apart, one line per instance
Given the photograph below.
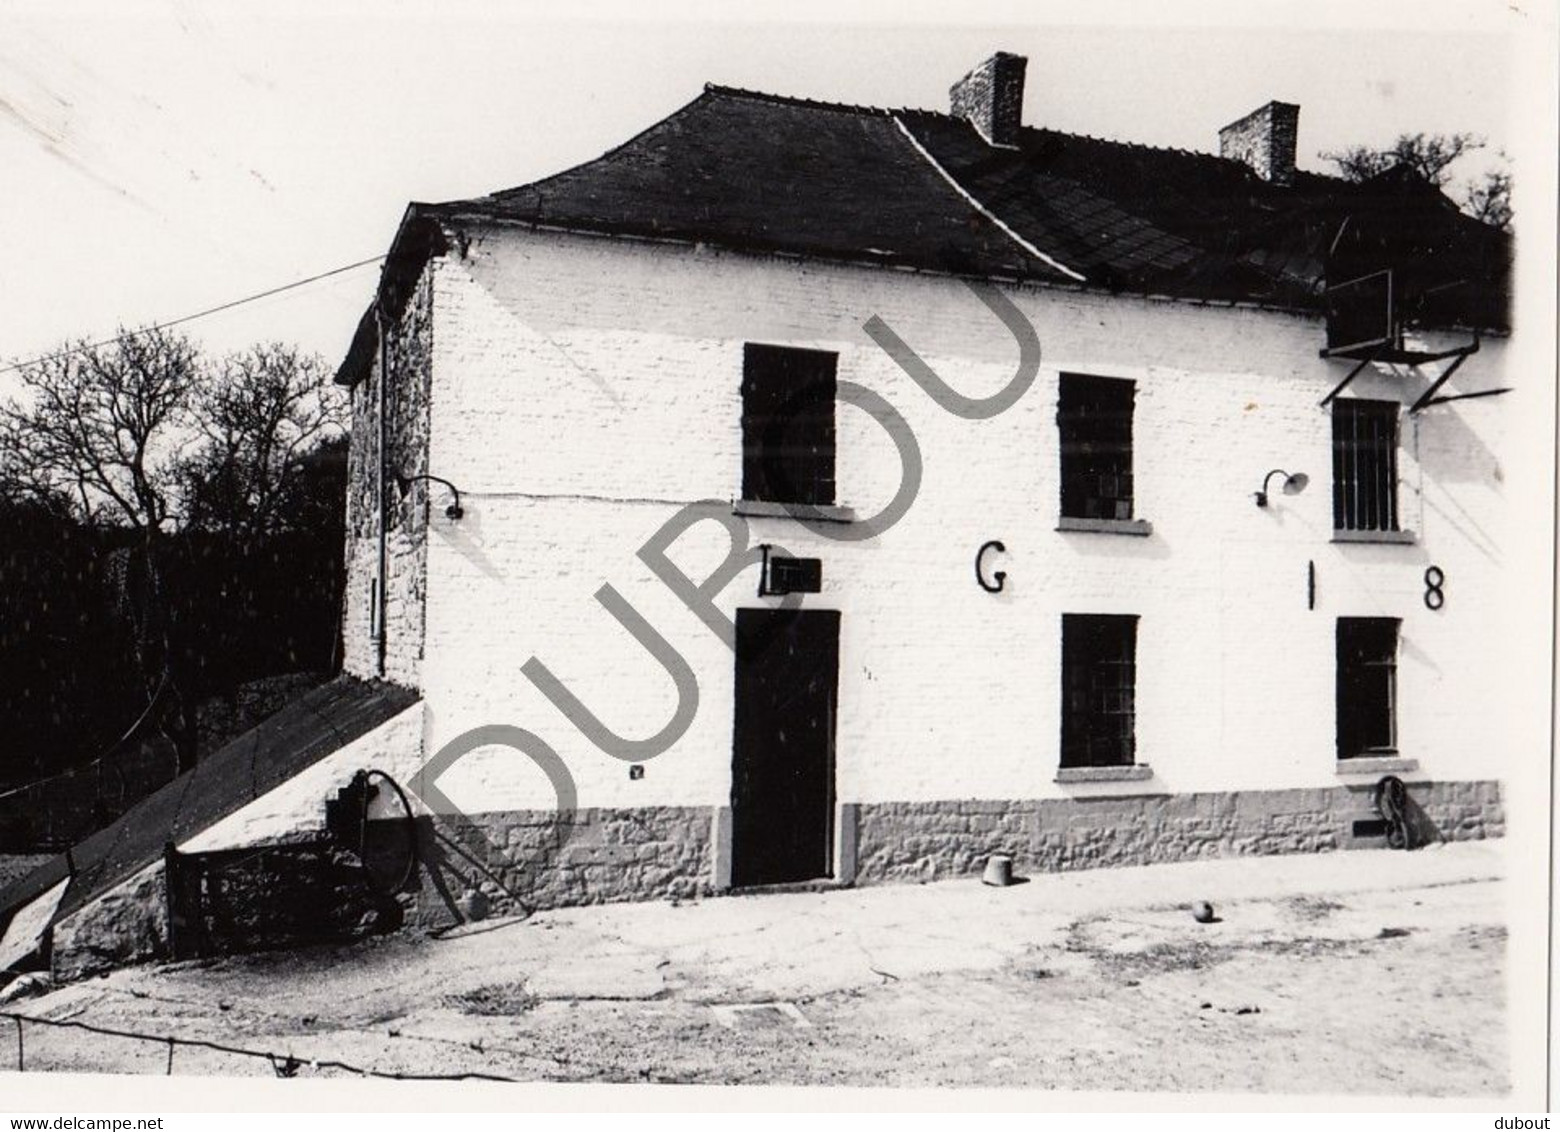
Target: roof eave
x=418 y=238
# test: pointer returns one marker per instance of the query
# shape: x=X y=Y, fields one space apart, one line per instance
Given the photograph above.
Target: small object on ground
x=26 y=986
x=1202 y=912
x=1206 y=1006
x=472 y=905
x=1392 y=933
x=999 y=871
x=1249 y=1010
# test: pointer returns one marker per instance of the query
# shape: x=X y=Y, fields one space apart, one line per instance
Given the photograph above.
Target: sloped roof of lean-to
x=317 y=723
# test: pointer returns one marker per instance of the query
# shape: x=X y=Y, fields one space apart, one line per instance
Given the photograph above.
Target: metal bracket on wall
x=1353 y=373
x=1428 y=397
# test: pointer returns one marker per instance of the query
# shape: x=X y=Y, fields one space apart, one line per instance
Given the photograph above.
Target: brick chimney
x=991 y=98
x=1264 y=140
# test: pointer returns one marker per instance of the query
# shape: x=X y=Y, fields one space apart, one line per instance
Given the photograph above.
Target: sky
x=160 y=157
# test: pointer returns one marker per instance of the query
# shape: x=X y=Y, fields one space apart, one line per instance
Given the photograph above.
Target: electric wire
x=182 y=319
x=86 y=766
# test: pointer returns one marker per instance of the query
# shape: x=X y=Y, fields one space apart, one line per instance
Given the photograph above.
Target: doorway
x=782 y=780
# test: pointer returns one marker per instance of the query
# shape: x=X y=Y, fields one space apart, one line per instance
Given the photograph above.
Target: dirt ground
x=1364 y=972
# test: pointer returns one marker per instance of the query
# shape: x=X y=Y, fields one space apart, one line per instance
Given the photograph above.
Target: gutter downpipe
x=381 y=588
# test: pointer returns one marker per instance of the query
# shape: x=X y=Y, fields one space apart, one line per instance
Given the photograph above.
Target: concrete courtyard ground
x=1363 y=972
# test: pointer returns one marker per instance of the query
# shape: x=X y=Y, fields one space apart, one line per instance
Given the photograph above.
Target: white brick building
x=1167 y=670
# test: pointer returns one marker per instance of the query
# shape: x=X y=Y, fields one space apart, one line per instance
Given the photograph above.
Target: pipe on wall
x=381 y=588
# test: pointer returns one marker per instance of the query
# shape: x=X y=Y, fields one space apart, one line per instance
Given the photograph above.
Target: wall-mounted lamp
x=1292 y=485
x=453 y=511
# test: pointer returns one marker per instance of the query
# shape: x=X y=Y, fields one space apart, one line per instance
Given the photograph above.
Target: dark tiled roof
x=1138 y=218
x=319 y=722
x=918 y=189
x=777 y=175
x=1192 y=225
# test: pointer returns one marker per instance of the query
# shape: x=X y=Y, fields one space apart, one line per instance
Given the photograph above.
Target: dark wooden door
x=782 y=782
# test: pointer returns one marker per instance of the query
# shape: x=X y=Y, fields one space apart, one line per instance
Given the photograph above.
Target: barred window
x=1365 y=443
x=1094 y=415
x=1099 y=673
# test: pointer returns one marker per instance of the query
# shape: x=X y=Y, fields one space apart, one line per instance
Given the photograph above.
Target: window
x=788 y=425
x=1095 y=418
x=1367 y=686
x=1099 y=662
x=1365 y=441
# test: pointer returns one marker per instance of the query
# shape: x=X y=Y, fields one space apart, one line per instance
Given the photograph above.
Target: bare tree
x=1489 y=199
x=1486 y=198
x=260 y=414
x=183 y=467
x=102 y=424
x=1429 y=155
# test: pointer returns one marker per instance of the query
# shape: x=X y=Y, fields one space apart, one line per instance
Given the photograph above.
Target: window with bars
x=1099 y=672
x=1367 y=686
x=1094 y=415
x=788 y=425
x=1365 y=444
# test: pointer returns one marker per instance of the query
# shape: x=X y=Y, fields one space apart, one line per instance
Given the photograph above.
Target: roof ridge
x=1177 y=150
x=797 y=100
x=893 y=111
x=1029 y=128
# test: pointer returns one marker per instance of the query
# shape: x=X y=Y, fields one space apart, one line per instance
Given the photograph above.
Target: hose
x=1392 y=805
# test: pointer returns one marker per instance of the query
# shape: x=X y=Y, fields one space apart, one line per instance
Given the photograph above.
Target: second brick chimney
x=991 y=98
x=1265 y=141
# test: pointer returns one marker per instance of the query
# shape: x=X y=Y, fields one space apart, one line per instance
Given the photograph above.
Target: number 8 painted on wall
x=1435 y=578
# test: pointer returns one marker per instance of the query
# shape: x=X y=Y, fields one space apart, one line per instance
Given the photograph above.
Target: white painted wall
x=298 y=805
x=584 y=389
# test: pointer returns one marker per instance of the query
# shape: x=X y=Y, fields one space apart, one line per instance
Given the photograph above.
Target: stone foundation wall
x=288 y=896
x=524 y=861
x=924 y=840
x=535 y=859
x=128 y=924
